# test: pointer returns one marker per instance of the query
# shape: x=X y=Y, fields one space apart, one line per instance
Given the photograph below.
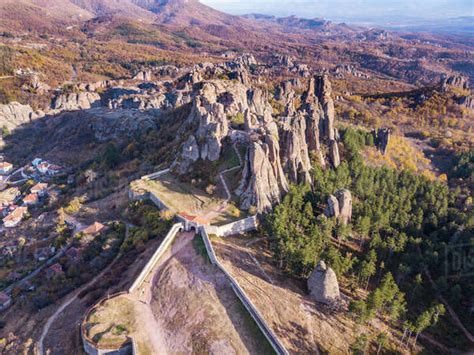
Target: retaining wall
x=266 y=330
x=155 y=175
x=240 y=226
x=156 y=256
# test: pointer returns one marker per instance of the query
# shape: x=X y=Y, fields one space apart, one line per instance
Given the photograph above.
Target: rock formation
x=144 y=75
x=75 y=101
x=323 y=91
x=322 y=284
x=382 y=138
x=457 y=81
x=344 y=198
x=295 y=153
x=263 y=182
x=340 y=206
x=15 y=114
x=278 y=150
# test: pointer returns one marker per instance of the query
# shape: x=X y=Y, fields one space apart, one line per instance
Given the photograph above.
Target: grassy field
x=183 y=197
x=113 y=323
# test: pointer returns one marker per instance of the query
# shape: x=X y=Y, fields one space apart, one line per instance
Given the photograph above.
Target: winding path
x=221 y=175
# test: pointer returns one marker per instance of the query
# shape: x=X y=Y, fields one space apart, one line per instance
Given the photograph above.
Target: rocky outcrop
x=334 y=153
x=458 y=81
x=295 y=152
x=263 y=182
x=15 y=114
x=313 y=134
x=189 y=155
x=284 y=60
x=246 y=59
x=323 y=92
x=340 y=206
x=144 y=75
x=467 y=101
x=382 y=138
x=344 y=198
x=332 y=209
x=76 y=101
x=323 y=286
x=343 y=70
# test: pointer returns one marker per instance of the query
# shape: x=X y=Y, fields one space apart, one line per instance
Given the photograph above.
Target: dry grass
x=401 y=154
x=114 y=322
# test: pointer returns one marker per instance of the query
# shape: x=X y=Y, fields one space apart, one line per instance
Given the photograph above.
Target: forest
x=396 y=248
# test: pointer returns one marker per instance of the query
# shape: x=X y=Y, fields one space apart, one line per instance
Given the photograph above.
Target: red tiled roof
x=39 y=187
x=5 y=165
x=31 y=198
x=16 y=214
x=94 y=228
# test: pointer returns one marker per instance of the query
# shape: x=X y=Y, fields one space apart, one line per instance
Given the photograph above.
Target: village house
x=42 y=254
x=8 y=196
x=41 y=189
x=31 y=199
x=36 y=162
x=5 y=168
x=5 y=301
x=15 y=217
x=54 y=271
x=94 y=229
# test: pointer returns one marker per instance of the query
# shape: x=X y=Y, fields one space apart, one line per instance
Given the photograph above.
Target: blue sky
x=349 y=9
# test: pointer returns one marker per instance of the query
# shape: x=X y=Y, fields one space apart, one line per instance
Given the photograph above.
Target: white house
x=5 y=168
x=15 y=217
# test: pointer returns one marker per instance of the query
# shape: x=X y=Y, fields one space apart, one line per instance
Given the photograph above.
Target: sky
x=346 y=10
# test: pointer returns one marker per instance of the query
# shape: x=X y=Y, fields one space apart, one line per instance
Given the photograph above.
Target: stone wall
x=240 y=226
x=91 y=348
x=266 y=330
x=175 y=229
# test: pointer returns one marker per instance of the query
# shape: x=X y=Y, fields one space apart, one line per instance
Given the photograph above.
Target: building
x=5 y=168
x=54 y=271
x=36 y=162
x=191 y=221
x=15 y=217
x=94 y=229
x=31 y=200
x=54 y=170
x=5 y=301
x=41 y=189
x=42 y=254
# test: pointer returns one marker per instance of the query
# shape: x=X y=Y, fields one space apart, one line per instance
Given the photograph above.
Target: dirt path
x=66 y=303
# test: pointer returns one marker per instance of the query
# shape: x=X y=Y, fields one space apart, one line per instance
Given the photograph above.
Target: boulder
x=322 y=284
